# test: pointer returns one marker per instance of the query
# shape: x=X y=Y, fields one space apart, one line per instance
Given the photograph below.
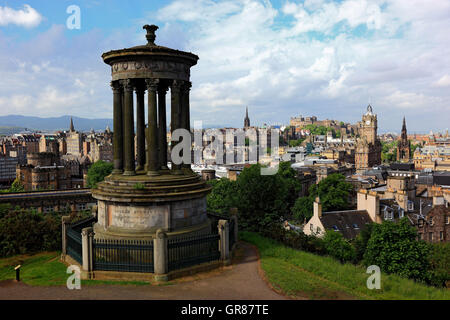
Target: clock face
x=368 y=122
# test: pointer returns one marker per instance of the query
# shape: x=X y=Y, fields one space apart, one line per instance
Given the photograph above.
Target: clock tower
x=368 y=146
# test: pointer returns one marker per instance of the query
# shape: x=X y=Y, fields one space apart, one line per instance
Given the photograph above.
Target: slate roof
x=349 y=222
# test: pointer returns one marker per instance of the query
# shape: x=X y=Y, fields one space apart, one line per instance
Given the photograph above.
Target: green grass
x=303 y=274
x=46 y=269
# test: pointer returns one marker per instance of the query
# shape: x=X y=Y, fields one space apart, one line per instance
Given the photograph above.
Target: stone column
x=224 y=243
x=65 y=221
x=87 y=235
x=185 y=114
x=152 y=139
x=140 y=126
x=175 y=117
x=129 y=129
x=118 y=129
x=160 y=256
x=162 y=126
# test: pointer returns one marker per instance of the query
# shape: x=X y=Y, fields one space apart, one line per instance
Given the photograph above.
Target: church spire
x=71 y=125
x=246 y=119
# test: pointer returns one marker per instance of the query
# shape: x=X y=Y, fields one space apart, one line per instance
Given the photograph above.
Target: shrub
x=440 y=264
x=338 y=247
x=395 y=249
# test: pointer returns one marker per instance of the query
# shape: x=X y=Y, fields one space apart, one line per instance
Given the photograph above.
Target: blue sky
x=280 y=58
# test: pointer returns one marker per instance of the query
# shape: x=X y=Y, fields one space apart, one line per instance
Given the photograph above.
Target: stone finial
x=150 y=33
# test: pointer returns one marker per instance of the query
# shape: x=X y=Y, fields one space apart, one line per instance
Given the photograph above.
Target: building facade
x=368 y=146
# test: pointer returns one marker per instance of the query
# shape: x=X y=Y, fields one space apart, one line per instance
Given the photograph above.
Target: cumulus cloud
x=316 y=57
x=26 y=17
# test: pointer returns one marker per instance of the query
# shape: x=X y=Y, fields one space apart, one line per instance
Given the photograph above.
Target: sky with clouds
x=280 y=58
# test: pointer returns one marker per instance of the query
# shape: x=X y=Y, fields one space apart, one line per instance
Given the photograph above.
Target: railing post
x=160 y=256
x=224 y=234
x=87 y=235
x=65 y=220
x=234 y=215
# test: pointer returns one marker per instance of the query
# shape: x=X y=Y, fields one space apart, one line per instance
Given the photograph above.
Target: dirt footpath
x=240 y=281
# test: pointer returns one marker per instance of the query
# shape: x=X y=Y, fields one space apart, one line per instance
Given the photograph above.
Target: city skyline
x=282 y=59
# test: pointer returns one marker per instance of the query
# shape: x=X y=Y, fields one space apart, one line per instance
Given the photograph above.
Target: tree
x=395 y=249
x=97 y=173
x=17 y=186
x=361 y=241
x=261 y=199
x=223 y=196
x=334 y=193
x=338 y=247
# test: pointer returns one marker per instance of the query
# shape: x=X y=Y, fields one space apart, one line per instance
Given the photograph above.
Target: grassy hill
x=305 y=275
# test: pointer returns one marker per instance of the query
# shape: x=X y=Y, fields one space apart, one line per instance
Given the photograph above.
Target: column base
x=153 y=173
x=140 y=168
x=117 y=171
x=129 y=173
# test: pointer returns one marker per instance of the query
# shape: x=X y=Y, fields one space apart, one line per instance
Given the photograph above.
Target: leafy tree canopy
x=334 y=193
x=97 y=173
x=395 y=249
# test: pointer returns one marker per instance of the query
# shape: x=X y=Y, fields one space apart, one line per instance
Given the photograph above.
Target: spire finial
x=151 y=36
x=72 y=129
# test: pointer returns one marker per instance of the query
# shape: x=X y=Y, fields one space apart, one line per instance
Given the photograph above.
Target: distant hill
x=59 y=123
x=7 y=131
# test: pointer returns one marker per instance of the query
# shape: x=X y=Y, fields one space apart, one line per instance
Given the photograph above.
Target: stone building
x=403 y=147
x=348 y=222
x=368 y=146
x=7 y=170
x=42 y=172
x=74 y=141
x=435 y=226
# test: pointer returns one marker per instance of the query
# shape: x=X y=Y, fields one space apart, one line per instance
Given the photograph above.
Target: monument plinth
x=142 y=195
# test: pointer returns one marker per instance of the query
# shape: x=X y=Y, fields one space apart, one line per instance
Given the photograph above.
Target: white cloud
x=444 y=81
x=360 y=50
x=26 y=17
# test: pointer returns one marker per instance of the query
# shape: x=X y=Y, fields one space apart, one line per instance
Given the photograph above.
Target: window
x=420 y=235
x=48 y=209
x=335 y=228
x=441 y=235
x=447 y=219
x=355 y=226
x=318 y=230
x=430 y=236
x=430 y=221
x=311 y=227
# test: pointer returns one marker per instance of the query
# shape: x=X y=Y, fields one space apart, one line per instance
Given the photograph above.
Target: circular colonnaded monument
x=142 y=194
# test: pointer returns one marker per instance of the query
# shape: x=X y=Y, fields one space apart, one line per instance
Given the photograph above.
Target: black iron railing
x=123 y=255
x=189 y=251
x=74 y=246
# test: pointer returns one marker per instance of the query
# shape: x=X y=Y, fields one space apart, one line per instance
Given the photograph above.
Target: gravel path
x=239 y=281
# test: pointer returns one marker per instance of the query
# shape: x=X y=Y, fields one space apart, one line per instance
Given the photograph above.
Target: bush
x=338 y=247
x=28 y=231
x=440 y=264
x=360 y=242
x=395 y=249
x=294 y=239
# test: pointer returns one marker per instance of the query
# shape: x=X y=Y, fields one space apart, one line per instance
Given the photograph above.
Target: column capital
x=152 y=84
x=163 y=88
x=176 y=85
x=127 y=84
x=139 y=86
x=186 y=87
x=115 y=86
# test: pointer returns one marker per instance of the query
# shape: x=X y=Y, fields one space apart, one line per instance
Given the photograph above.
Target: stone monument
x=142 y=194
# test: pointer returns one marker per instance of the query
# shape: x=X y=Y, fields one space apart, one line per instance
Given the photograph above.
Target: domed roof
x=149 y=49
